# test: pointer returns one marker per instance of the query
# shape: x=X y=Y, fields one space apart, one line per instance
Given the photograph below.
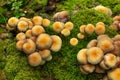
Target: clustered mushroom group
x=33 y=40
x=101 y=55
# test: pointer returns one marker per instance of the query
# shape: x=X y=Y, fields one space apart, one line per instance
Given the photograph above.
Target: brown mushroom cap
x=100 y=29
x=22 y=25
x=82 y=28
x=43 y=41
x=88 y=68
x=82 y=56
x=45 y=53
x=94 y=55
x=28 y=33
x=92 y=43
x=36 y=30
x=37 y=20
x=110 y=60
x=34 y=59
x=114 y=74
x=29 y=47
x=20 y=36
x=65 y=32
x=19 y=44
x=45 y=22
x=56 y=43
x=58 y=26
x=89 y=29
x=69 y=25
x=73 y=41
x=80 y=35
x=13 y=21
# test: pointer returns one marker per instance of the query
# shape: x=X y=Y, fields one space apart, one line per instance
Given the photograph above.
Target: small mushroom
x=80 y=36
x=20 y=36
x=49 y=58
x=98 y=69
x=22 y=25
x=37 y=20
x=44 y=41
x=36 y=30
x=65 y=32
x=45 y=22
x=58 y=27
x=9 y=28
x=69 y=25
x=100 y=29
x=88 y=68
x=24 y=19
x=110 y=60
x=114 y=74
x=30 y=24
x=19 y=45
x=73 y=41
x=94 y=55
x=28 y=33
x=83 y=71
x=45 y=54
x=92 y=43
x=100 y=23
x=89 y=29
x=102 y=65
x=56 y=43
x=82 y=28
x=34 y=59
x=116 y=18
x=29 y=46
x=82 y=56
x=12 y=22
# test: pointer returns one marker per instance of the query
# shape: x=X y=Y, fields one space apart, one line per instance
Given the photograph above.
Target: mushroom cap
x=83 y=71
x=88 y=68
x=65 y=32
x=82 y=56
x=49 y=58
x=94 y=55
x=117 y=38
x=109 y=11
x=13 y=21
x=98 y=69
x=24 y=19
x=19 y=45
x=9 y=28
x=82 y=28
x=118 y=61
x=20 y=36
x=56 y=43
x=43 y=41
x=89 y=28
x=34 y=59
x=102 y=9
x=45 y=22
x=69 y=25
x=28 y=33
x=80 y=36
x=45 y=53
x=36 y=30
x=37 y=20
x=114 y=74
x=29 y=47
x=110 y=60
x=100 y=29
x=30 y=24
x=102 y=65
x=73 y=41
x=92 y=43
x=100 y=37
x=116 y=18
x=58 y=26
x=100 y=23
x=22 y=25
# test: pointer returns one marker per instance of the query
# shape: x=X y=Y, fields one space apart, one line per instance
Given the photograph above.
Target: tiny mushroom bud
x=110 y=60
x=92 y=43
x=73 y=41
x=19 y=45
x=37 y=20
x=22 y=25
x=29 y=46
x=28 y=33
x=36 y=30
x=94 y=55
x=45 y=53
x=20 y=36
x=44 y=41
x=82 y=28
x=100 y=29
x=45 y=22
x=80 y=36
x=88 y=68
x=34 y=59
x=114 y=74
x=82 y=56
x=69 y=25
x=89 y=28
x=56 y=43
x=12 y=22
x=58 y=26
x=65 y=32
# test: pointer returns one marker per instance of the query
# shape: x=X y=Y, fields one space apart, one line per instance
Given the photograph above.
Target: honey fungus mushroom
x=45 y=54
x=20 y=36
x=58 y=27
x=92 y=43
x=65 y=32
x=28 y=33
x=56 y=43
x=80 y=36
x=100 y=29
x=22 y=26
x=69 y=25
x=12 y=22
x=19 y=45
x=73 y=41
x=45 y=22
x=34 y=59
x=82 y=28
x=94 y=55
x=89 y=28
x=37 y=20
x=102 y=65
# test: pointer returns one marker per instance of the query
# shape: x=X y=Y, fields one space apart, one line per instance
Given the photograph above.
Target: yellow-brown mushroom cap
x=58 y=26
x=9 y=28
x=30 y=24
x=100 y=29
x=82 y=56
x=69 y=25
x=114 y=74
x=102 y=9
x=65 y=32
x=45 y=53
x=94 y=55
x=24 y=19
x=44 y=41
x=49 y=58
x=45 y=22
x=116 y=18
x=56 y=43
x=28 y=33
x=82 y=28
x=19 y=44
x=102 y=65
x=22 y=25
x=89 y=28
x=37 y=20
x=92 y=43
x=13 y=21
x=80 y=36
x=20 y=36
x=100 y=23
x=36 y=30
x=34 y=59
x=73 y=41
x=88 y=68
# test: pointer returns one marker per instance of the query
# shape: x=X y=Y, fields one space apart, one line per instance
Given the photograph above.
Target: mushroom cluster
x=33 y=40
x=99 y=29
x=101 y=55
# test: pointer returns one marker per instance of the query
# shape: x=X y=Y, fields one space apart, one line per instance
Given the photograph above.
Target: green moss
x=116 y=9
